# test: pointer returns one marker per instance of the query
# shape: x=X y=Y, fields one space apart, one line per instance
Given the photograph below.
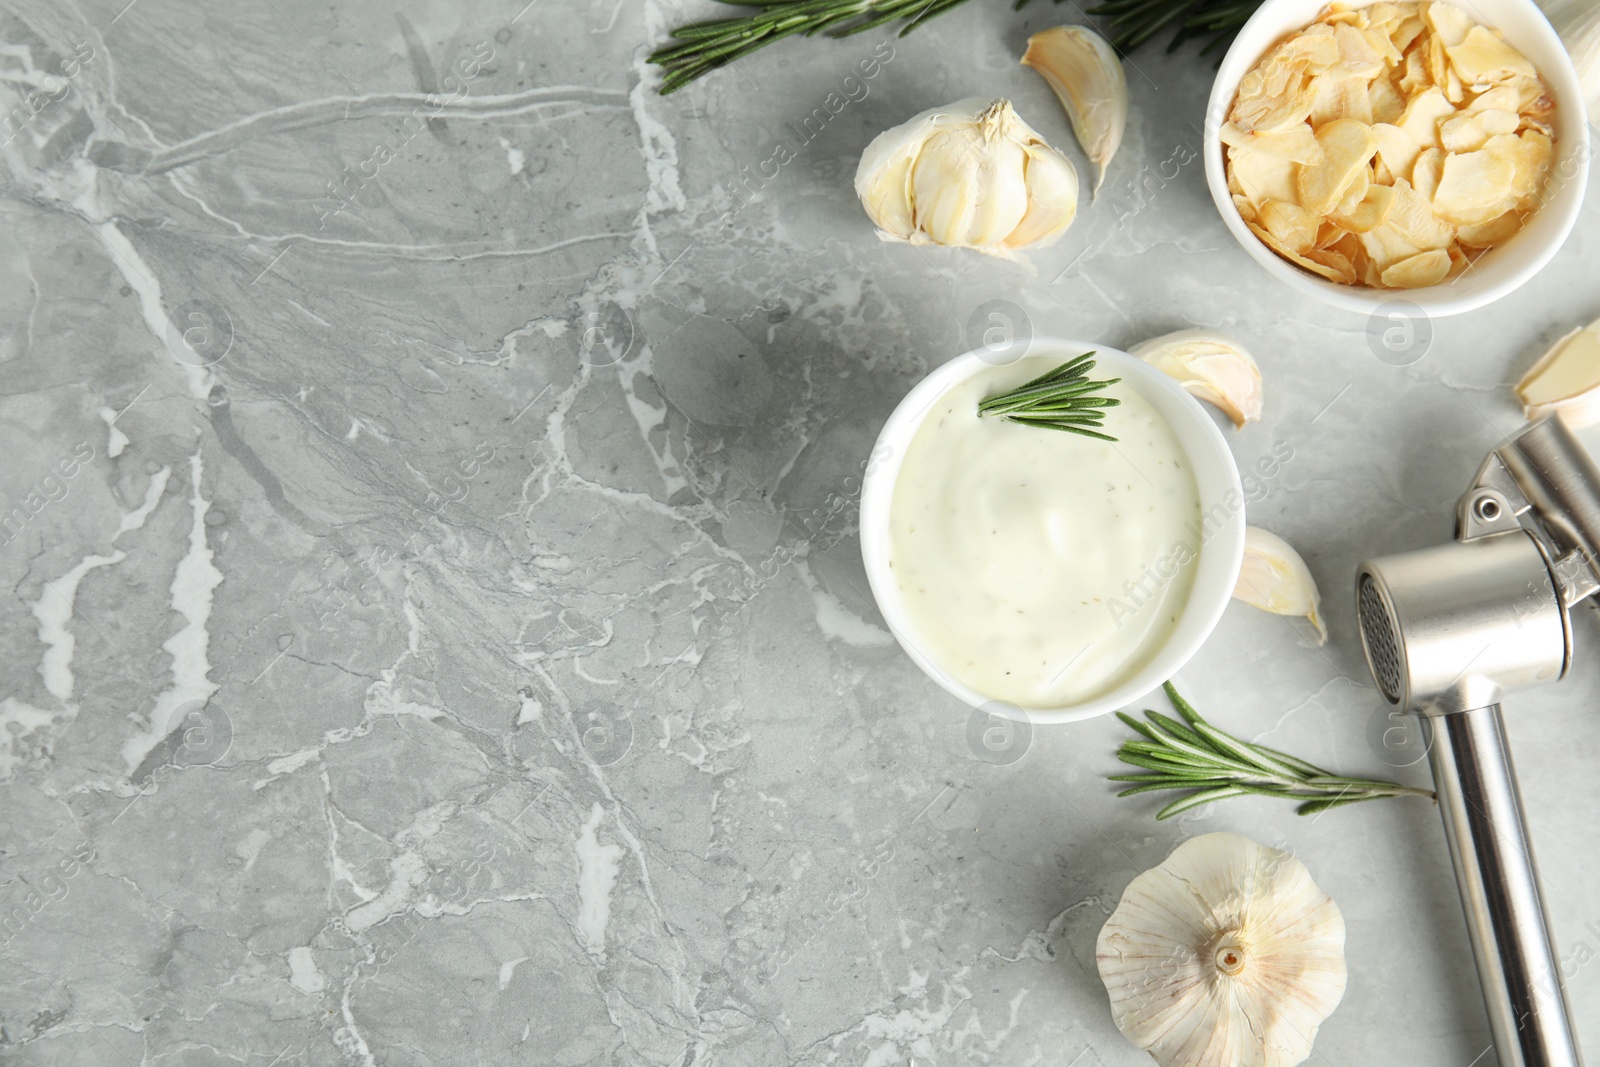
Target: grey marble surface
x=434 y=626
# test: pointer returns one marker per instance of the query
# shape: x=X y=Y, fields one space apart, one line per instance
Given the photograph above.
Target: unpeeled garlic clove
x=1211 y=367
x=1086 y=75
x=969 y=175
x=1274 y=578
x=1566 y=380
x=1227 y=953
x=1578 y=23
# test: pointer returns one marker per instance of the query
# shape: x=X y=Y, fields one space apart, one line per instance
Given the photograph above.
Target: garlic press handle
x=1499 y=884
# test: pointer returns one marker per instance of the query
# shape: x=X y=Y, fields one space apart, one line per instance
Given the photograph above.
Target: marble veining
x=435 y=629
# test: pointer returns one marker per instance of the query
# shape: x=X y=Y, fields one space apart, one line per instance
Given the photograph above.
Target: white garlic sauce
x=1040 y=567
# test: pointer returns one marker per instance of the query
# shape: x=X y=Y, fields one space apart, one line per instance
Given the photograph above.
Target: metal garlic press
x=1448 y=631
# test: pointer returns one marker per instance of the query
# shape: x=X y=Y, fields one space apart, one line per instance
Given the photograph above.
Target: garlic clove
x=883 y=177
x=970 y=198
x=943 y=187
x=1212 y=367
x=1084 y=72
x=968 y=175
x=1274 y=578
x=888 y=200
x=1052 y=199
x=1579 y=27
x=1566 y=380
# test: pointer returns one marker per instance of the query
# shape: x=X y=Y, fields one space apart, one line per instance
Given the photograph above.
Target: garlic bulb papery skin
x=969 y=175
x=1086 y=76
x=1566 y=380
x=1577 y=22
x=1212 y=367
x=1226 y=954
x=1274 y=578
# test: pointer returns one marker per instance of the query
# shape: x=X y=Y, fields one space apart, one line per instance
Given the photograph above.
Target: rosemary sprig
x=1133 y=22
x=702 y=47
x=713 y=43
x=1061 y=399
x=1212 y=765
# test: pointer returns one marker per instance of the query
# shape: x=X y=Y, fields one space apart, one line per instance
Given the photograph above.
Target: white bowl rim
x=1269 y=25
x=1221 y=553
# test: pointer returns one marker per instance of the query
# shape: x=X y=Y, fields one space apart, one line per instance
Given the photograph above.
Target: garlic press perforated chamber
x=1448 y=631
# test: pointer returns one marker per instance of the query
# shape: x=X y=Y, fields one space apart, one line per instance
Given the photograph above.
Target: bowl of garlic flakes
x=1428 y=152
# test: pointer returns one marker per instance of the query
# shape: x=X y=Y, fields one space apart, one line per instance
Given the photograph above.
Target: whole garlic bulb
x=970 y=175
x=1227 y=953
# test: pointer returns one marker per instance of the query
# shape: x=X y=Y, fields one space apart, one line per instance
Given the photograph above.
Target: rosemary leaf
x=1240 y=750
x=1042 y=394
x=1066 y=370
x=1135 y=725
x=1052 y=425
x=1370 y=785
x=1091 y=401
x=1212 y=755
x=1149 y=764
x=1316 y=807
x=1171 y=725
x=1194 y=800
x=1182 y=706
x=1073 y=386
x=1155 y=751
x=1153 y=786
x=1300 y=765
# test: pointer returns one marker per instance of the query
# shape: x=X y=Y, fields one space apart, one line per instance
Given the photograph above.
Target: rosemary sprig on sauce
x=1063 y=399
x=1211 y=765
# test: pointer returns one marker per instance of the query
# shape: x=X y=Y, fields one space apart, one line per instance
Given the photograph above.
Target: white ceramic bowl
x=1216 y=476
x=1504 y=267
